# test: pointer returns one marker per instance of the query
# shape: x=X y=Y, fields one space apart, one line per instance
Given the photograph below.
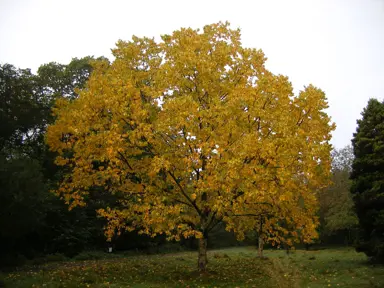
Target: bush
x=57 y=257
x=12 y=260
x=38 y=261
x=170 y=247
x=90 y=255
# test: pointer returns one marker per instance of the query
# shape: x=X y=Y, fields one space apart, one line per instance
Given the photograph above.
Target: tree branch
x=193 y=203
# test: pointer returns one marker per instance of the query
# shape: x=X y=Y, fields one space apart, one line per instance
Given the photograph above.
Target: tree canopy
x=191 y=131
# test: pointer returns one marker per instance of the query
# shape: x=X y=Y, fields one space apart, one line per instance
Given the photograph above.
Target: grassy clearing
x=336 y=268
x=235 y=267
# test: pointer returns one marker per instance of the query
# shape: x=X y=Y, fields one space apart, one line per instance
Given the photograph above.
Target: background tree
x=21 y=181
x=368 y=179
x=59 y=80
x=337 y=212
x=188 y=132
x=20 y=109
x=342 y=159
x=33 y=221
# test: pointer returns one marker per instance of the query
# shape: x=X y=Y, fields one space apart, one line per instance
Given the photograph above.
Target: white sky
x=337 y=45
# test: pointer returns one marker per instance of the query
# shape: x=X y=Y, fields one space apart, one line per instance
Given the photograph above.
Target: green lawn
x=235 y=267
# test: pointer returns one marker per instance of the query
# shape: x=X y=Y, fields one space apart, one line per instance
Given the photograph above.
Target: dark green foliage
x=57 y=257
x=21 y=197
x=21 y=112
x=58 y=80
x=368 y=179
x=33 y=221
x=70 y=232
x=22 y=187
x=220 y=238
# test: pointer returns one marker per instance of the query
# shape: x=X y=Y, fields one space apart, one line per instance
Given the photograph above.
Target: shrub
x=56 y=257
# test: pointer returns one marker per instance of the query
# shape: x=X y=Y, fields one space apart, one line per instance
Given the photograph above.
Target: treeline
x=34 y=221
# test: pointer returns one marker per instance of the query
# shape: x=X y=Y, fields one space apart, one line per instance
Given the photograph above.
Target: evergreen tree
x=368 y=179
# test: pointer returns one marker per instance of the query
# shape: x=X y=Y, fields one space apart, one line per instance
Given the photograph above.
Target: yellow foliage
x=194 y=130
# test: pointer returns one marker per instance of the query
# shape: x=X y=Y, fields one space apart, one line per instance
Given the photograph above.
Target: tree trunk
x=287 y=249
x=202 y=260
x=261 y=246
x=349 y=237
x=261 y=240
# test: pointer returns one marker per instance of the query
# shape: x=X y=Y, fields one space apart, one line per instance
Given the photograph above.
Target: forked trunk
x=261 y=246
x=202 y=260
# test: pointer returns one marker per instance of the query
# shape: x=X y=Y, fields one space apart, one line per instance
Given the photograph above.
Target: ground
x=234 y=267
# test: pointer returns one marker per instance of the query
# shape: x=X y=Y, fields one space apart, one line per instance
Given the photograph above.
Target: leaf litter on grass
x=240 y=269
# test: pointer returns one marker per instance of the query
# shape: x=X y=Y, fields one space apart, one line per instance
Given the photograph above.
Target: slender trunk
x=261 y=240
x=202 y=260
x=261 y=246
x=349 y=237
x=287 y=249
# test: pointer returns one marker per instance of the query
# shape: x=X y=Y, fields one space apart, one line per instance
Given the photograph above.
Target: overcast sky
x=337 y=45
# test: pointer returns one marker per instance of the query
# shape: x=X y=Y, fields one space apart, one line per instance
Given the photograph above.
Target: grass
x=234 y=267
x=337 y=268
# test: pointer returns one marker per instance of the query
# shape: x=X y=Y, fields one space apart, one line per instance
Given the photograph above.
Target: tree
x=60 y=80
x=336 y=204
x=21 y=183
x=340 y=214
x=27 y=170
x=368 y=179
x=337 y=211
x=190 y=132
x=342 y=159
x=19 y=108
